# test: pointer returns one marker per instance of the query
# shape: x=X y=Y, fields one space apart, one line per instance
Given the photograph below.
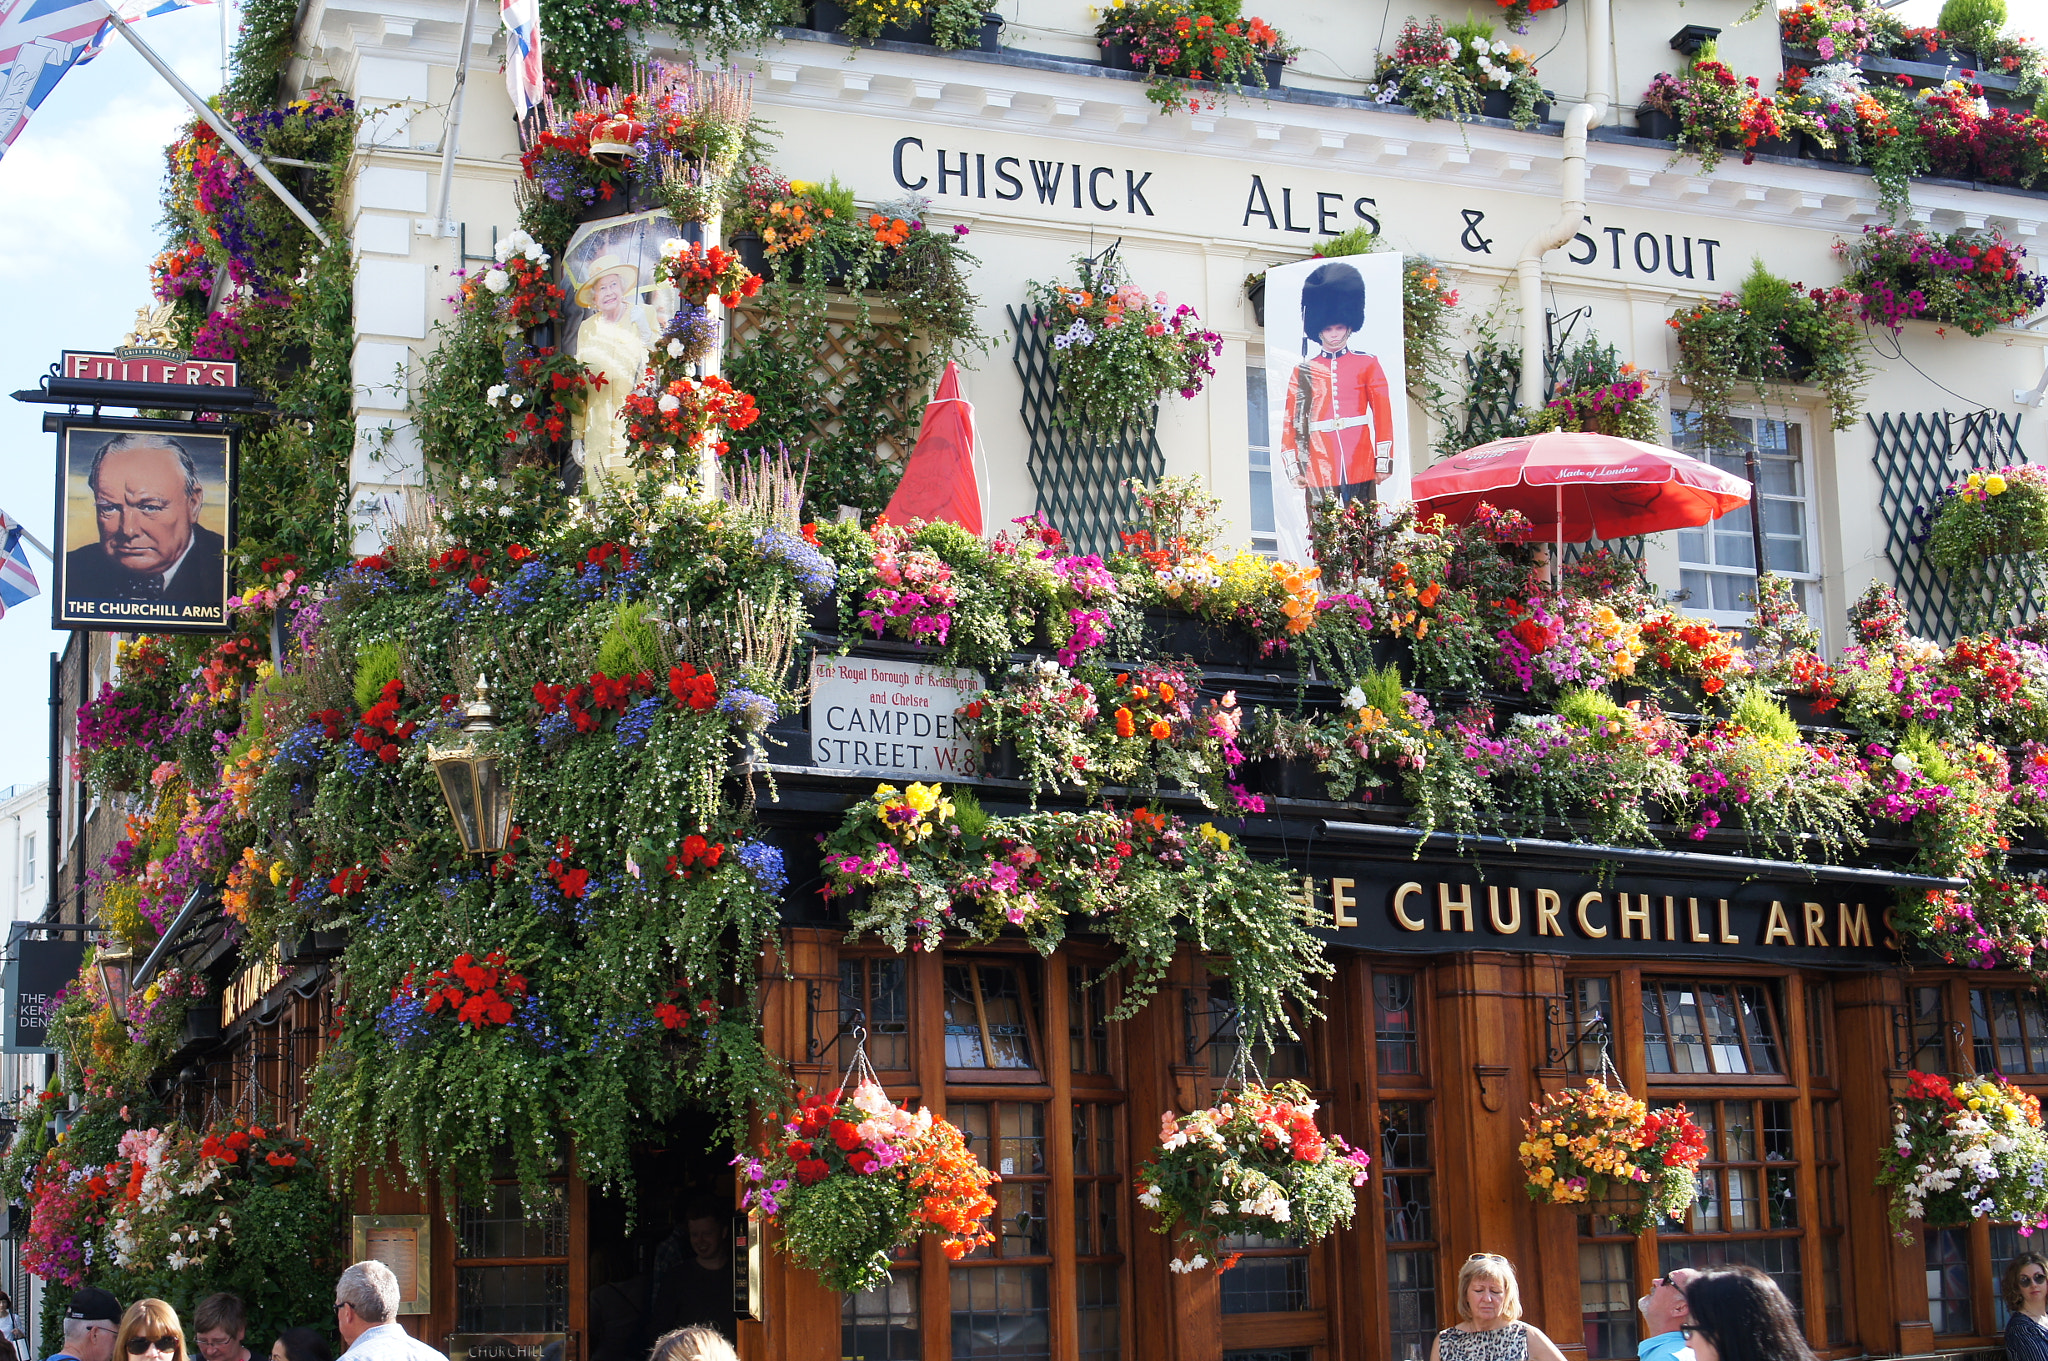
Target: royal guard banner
x=145 y=525
x=1335 y=389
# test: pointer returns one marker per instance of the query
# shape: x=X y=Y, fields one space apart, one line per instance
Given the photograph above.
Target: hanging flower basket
x=1603 y=1152
x=1254 y=1163
x=856 y=1177
x=1968 y=1149
x=1987 y=513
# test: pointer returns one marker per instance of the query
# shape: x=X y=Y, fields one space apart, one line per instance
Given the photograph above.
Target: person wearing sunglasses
x=1664 y=1313
x=1740 y=1314
x=150 y=1331
x=1490 y=1314
x=2026 y=1295
x=366 y=1315
x=91 y=1322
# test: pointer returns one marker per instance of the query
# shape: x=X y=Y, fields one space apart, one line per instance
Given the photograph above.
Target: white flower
x=675 y=349
x=519 y=243
x=465 y=477
x=497 y=280
x=1904 y=764
x=518 y=399
x=1149 y=1197
x=489 y=484
x=1354 y=698
x=1501 y=49
x=668 y=403
x=495 y=395
x=504 y=512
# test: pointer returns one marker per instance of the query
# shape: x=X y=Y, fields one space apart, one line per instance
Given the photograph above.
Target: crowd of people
x=1732 y=1313
x=97 y=1328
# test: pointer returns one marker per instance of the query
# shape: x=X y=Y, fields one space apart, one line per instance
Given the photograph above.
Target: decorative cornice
x=1317 y=130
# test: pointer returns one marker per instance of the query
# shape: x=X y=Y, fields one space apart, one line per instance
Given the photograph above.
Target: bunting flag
x=17 y=579
x=42 y=39
x=523 y=55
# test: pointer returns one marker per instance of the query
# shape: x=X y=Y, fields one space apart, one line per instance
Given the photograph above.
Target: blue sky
x=78 y=227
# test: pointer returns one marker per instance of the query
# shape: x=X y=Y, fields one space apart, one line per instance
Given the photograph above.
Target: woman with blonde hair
x=150 y=1331
x=1490 y=1314
x=693 y=1344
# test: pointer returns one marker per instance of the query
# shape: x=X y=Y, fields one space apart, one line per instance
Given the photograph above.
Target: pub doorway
x=662 y=1256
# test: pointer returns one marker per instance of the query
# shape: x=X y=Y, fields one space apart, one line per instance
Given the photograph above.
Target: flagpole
x=220 y=126
x=35 y=543
x=454 y=126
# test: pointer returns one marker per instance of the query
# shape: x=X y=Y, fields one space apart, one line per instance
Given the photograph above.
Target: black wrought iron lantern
x=479 y=797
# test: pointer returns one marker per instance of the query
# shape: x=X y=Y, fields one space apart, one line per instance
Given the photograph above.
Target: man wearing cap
x=91 y=1321
x=366 y=1314
x=1338 y=431
x=614 y=340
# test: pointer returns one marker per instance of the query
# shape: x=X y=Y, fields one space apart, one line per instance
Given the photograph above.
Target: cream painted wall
x=1467 y=196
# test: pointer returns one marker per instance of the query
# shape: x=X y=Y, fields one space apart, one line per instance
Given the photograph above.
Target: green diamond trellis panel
x=1630 y=548
x=1918 y=455
x=1491 y=376
x=1079 y=477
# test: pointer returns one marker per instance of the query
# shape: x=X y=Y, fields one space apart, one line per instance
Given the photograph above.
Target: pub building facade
x=1468 y=981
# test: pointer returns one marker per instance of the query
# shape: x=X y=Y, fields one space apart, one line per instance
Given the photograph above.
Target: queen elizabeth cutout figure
x=1337 y=424
x=613 y=340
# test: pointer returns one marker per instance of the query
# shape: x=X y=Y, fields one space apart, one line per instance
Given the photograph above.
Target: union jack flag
x=42 y=39
x=17 y=578
x=523 y=54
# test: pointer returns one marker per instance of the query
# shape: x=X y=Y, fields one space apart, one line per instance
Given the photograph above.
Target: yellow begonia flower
x=922 y=797
x=885 y=791
x=1976 y=480
x=1994 y=485
x=1211 y=833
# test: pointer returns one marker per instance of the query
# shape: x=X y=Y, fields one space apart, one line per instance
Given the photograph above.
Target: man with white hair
x=1664 y=1313
x=91 y=1321
x=366 y=1312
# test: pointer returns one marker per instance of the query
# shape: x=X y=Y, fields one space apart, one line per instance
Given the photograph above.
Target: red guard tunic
x=1339 y=422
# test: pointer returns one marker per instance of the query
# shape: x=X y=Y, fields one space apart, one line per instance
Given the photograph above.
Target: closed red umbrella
x=938 y=479
x=1575 y=486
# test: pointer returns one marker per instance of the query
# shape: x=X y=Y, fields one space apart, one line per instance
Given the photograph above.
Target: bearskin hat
x=1332 y=296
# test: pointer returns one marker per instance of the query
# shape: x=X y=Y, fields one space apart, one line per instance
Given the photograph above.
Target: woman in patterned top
x=2026 y=1294
x=1490 y=1305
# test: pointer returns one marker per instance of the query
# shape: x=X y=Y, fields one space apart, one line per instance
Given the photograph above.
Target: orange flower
x=1161 y=729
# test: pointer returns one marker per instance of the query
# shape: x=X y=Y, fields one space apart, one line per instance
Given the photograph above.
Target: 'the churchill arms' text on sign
x=877 y=716
x=1417 y=906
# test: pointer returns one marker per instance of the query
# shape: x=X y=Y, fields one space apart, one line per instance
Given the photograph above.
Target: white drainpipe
x=1577 y=123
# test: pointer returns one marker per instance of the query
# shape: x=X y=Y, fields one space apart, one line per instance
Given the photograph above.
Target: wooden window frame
x=1957 y=1038
x=1054 y=1086
x=1776 y=1000
x=1033 y=1011
x=1418 y=1088
x=1790 y=1000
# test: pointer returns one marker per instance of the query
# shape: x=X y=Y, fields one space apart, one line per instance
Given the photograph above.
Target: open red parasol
x=1575 y=486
